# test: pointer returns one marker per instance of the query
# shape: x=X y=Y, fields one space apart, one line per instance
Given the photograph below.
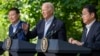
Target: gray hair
x=49 y=4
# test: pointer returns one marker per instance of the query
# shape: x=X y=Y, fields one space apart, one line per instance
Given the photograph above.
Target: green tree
x=67 y=10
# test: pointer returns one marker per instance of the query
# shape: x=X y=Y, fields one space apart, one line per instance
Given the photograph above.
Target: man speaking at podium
x=15 y=29
x=49 y=26
x=91 y=32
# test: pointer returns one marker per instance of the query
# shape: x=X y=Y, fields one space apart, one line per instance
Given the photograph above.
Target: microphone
x=50 y=33
x=14 y=35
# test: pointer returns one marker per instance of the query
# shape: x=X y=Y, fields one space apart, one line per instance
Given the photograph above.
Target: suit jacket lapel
x=51 y=28
x=91 y=31
x=10 y=31
x=19 y=25
x=83 y=35
x=42 y=27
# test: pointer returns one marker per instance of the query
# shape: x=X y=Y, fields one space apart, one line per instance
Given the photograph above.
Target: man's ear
x=92 y=15
x=18 y=15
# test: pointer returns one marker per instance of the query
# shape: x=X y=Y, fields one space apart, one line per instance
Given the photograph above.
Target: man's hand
x=70 y=40
x=25 y=27
x=76 y=42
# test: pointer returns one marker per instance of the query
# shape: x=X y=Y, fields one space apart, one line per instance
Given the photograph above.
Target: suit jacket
x=93 y=38
x=55 y=31
x=20 y=35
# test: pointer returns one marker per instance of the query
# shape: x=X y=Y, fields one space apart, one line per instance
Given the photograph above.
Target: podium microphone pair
x=14 y=35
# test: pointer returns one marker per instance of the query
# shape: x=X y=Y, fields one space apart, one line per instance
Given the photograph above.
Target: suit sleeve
x=95 y=44
x=33 y=33
x=62 y=32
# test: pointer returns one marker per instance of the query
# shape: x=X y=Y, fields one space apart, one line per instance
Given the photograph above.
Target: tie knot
x=85 y=29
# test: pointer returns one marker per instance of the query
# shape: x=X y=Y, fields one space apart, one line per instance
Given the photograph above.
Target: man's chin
x=44 y=17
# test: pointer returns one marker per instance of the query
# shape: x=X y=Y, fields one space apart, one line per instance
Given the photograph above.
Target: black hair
x=91 y=9
x=15 y=9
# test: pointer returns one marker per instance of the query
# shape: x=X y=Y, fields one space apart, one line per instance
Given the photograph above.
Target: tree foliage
x=68 y=11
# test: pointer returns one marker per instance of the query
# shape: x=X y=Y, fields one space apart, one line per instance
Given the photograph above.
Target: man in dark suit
x=15 y=29
x=49 y=26
x=16 y=25
x=91 y=32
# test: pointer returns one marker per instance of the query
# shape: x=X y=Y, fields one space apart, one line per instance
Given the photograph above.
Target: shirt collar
x=49 y=19
x=15 y=25
x=89 y=25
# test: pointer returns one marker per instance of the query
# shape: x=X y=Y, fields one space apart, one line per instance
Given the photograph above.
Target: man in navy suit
x=16 y=25
x=49 y=26
x=91 y=32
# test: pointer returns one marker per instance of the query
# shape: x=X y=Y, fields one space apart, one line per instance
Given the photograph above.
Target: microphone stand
x=14 y=35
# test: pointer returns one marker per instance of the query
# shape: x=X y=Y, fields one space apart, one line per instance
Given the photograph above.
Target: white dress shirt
x=88 y=26
x=15 y=26
x=47 y=24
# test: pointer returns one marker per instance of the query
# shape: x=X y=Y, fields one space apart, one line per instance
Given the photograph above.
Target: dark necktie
x=84 y=34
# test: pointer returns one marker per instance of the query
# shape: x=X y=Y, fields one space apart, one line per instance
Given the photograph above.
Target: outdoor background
x=68 y=11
